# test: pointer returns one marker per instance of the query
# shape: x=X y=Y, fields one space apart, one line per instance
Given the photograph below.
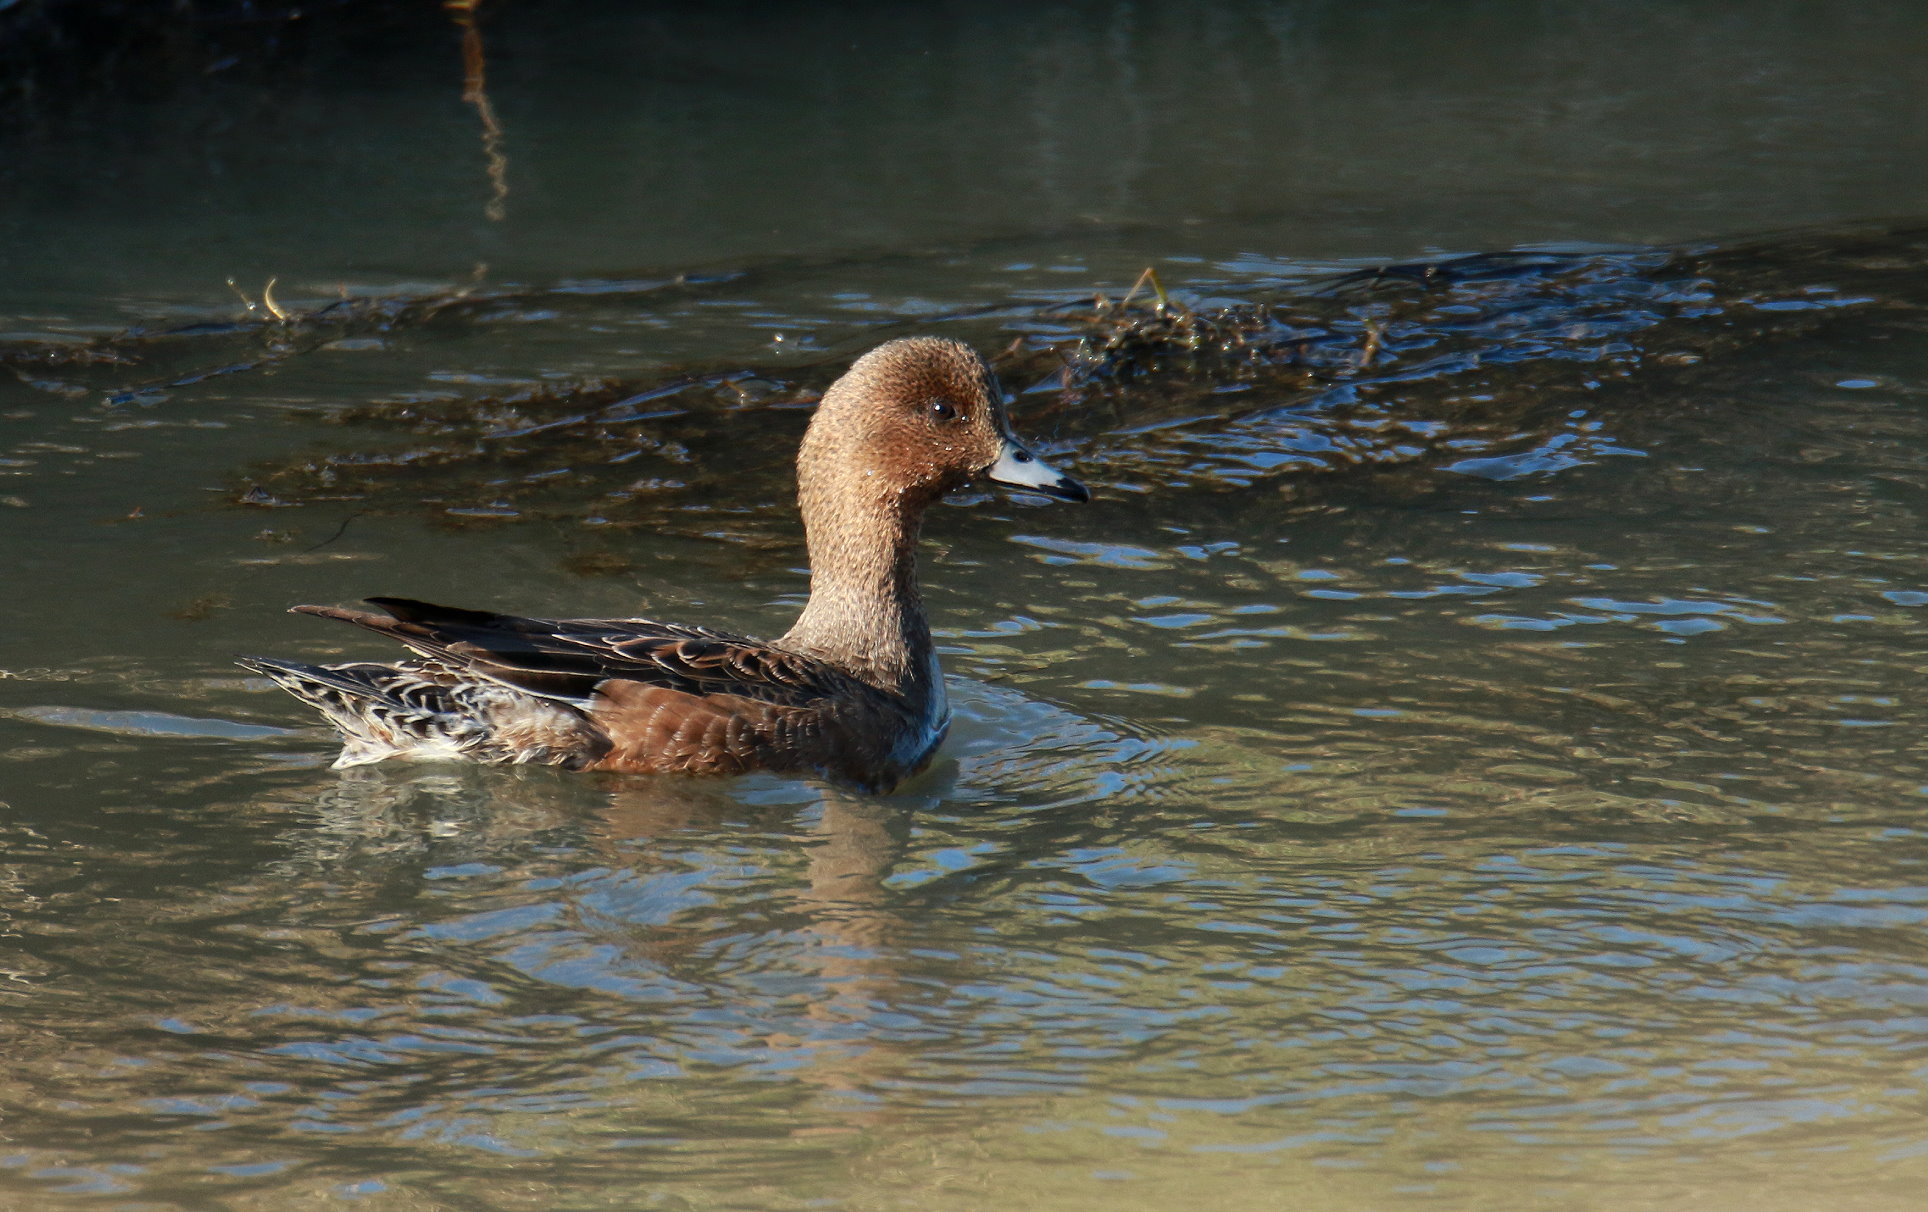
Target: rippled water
x=1479 y=773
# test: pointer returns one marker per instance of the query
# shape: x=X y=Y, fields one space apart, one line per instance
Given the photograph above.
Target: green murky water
x=1468 y=756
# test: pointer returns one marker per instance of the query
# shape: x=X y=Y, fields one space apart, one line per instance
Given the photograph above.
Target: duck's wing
x=569 y=659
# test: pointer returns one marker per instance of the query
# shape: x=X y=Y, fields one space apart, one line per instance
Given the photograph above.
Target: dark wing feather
x=569 y=658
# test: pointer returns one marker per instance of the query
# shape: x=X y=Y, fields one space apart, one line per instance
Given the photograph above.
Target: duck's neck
x=865 y=614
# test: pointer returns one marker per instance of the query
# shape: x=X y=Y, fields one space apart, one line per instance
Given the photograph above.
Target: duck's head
x=912 y=420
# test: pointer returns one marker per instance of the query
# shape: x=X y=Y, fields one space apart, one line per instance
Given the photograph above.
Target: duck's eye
x=943 y=410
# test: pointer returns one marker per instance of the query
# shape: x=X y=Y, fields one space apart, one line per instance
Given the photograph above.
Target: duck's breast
x=869 y=739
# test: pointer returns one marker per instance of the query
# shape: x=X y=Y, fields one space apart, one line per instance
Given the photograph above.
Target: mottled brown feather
x=852 y=692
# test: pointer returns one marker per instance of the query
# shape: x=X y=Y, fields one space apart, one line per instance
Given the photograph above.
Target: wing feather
x=569 y=659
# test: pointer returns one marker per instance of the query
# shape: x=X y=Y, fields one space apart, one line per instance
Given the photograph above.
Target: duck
x=852 y=693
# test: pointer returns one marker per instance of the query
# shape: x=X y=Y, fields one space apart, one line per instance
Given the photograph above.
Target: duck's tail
x=422 y=710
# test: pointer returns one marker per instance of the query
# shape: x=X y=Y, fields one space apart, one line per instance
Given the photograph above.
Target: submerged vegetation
x=1472 y=363
x=1466 y=756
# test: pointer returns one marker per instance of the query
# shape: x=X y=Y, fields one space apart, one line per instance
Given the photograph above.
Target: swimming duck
x=851 y=693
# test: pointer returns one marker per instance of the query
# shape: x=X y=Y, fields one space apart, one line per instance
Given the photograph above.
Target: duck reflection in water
x=753 y=919
x=647 y=882
x=847 y=939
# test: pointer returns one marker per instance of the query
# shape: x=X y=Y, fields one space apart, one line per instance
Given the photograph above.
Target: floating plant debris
x=1472 y=365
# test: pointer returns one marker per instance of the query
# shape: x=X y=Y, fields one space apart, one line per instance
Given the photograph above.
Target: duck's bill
x=1019 y=468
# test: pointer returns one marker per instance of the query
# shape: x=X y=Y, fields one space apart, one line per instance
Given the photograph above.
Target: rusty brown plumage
x=851 y=693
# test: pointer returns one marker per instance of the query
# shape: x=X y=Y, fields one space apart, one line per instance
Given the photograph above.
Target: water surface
x=1481 y=774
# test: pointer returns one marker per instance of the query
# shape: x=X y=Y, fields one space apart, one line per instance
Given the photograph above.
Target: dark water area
x=1466 y=756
